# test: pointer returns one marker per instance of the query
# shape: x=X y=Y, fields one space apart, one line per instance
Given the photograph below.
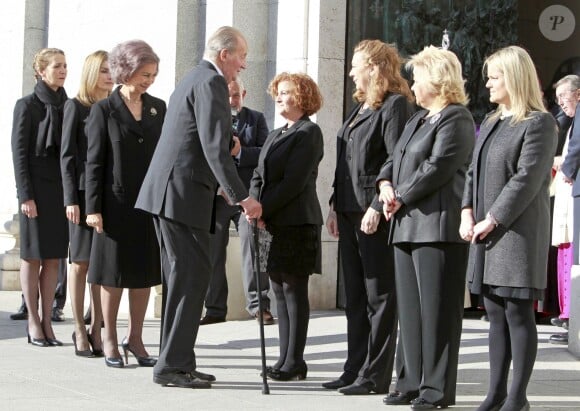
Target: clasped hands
x=389 y=199
x=472 y=232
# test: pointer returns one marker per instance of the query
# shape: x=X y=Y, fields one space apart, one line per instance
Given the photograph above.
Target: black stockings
x=512 y=337
x=293 y=315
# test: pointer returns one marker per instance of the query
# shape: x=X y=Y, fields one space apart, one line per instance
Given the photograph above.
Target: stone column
x=252 y=18
x=190 y=35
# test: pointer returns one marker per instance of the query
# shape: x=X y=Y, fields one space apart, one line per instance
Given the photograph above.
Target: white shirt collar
x=216 y=67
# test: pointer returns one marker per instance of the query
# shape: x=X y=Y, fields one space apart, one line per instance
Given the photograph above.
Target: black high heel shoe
x=143 y=361
x=295 y=374
x=38 y=342
x=83 y=353
x=96 y=352
x=114 y=362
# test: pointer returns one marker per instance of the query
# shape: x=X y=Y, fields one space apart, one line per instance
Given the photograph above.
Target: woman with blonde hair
x=421 y=186
x=96 y=84
x=506 y=215
x=364 y=142
x=36 y=140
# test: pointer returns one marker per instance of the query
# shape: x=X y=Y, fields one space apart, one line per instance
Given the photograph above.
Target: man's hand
x=236 y=147
x=252 y=208
x=332 y=222
x=95 y=221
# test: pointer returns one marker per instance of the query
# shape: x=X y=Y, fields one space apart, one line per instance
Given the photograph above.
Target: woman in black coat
x=122 y=132
x=506 y=216
x=364 y=142
x=285 y=184
x=421 y=187
x=36 y=139
x=96 y=84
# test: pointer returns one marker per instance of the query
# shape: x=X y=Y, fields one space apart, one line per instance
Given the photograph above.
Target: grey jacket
x=516 y=194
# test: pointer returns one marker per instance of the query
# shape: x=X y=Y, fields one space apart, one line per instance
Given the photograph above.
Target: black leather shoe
x=210 y=319
x=57 y=315
x=38 y=342
x=561 y=338
x=335 y=384
x=559 y=322
x=422 y=404
x=400 y=398
x=203 y=376
x=358 y=389
x=21 y=314
x=297 y=373
x=53 y=342
x=180 y=379
x=80 y=353
x=143 y=361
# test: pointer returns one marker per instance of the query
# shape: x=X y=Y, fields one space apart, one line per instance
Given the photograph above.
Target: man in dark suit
x=191 y=159
x=250 y=132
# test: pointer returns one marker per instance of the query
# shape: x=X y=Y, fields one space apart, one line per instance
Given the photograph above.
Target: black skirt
x=81 y=235
x=46 y=236
x=295 y=250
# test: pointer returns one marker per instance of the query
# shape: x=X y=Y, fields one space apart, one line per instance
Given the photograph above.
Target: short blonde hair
x=42 y=60
x=444 y=71
x=90 y=77
x=307 y=96
x=521 y=81
x=389 y=79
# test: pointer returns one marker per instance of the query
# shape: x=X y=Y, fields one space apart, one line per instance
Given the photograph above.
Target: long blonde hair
x=521 y=82
x=90 y=77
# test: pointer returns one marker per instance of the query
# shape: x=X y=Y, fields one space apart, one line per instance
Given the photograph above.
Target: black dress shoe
x=57 y=315
x=143 y=361
x=297 y=373
x=180 y=379
x=210 y=319
x=21 y=314
x=53 y=342
x=400 y=398
x=561 y=338
x=38 y=342
x=335 y=384
x=80 y=353
x=358 y=389
x=559 y=322
x=203 y=376
x=97 y=352
x=422 y=404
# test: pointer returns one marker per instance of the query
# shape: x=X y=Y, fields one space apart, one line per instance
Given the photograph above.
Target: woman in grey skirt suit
x=36 y=139
x=122 y=132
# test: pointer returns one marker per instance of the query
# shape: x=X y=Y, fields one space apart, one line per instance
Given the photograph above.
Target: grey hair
x=225 y=37
x=571 y=80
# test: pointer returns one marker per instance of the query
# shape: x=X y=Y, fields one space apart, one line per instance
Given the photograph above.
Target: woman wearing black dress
x=285 y=184
x=122 y=132
x=96 y=84
x=36 y=139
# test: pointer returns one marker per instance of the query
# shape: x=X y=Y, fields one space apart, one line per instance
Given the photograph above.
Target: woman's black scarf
x=50 y=128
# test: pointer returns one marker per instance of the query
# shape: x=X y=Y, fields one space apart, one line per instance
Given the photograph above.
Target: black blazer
x=428 y=169
x=29 y=111
x=571 y=163
x=252 y=131
x=119 y=150
x=364 y=143
x=285 y=180
x=193 y=154
x=73 y=151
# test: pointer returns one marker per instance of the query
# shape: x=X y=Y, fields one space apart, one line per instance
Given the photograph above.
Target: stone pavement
x=33 y=378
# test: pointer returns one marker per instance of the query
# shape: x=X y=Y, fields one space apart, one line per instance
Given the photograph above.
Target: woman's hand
x=332 y=222
x=95 y=221
x=482 y=229
x=73 y=213
x=28 y=208
x=386 y=193
x=467 y=224
x=370 y=221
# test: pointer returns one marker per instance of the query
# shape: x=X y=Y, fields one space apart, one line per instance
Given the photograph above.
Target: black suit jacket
x=252 y=131
x=73 y=151
x=285 y=179
x=428 y=169
x=364 y=143
x=572 y=161
x=193 y=153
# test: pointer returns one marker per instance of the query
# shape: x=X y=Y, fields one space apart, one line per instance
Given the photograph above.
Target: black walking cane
x=256 y=237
